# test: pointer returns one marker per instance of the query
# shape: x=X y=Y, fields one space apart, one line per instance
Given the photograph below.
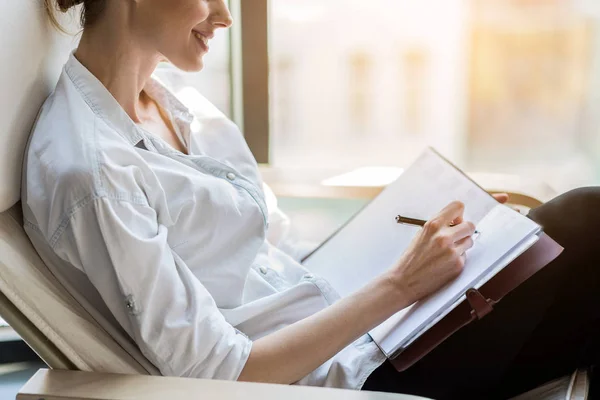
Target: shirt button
x=263 y=270
x=231 y=176
x=309 y=276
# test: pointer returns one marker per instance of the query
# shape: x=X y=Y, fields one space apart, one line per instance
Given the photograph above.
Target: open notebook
x=373 y=242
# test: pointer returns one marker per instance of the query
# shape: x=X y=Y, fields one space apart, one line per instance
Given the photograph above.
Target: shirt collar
x=168 y=101
x=103 y=104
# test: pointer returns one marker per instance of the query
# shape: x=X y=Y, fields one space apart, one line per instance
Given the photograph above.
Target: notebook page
x=373 y=241
x=502 y=232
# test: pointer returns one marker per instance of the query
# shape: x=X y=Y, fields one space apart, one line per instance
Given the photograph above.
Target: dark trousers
x=544 y=329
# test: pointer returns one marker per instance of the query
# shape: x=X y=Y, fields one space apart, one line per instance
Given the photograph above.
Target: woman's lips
x=202 y=40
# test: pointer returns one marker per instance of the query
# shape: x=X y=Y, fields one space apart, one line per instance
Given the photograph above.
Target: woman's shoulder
x=67 y=133
x=58 y=141
x=69 y=150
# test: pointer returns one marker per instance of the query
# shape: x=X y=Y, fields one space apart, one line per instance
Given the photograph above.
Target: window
x=533 y=89
x=373 y=82
x=509 y=86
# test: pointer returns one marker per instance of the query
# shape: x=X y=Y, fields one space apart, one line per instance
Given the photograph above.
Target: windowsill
x=310 y=183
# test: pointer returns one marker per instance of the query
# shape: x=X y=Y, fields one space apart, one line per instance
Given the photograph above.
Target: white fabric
x=34 y=291
x=33 y=54
x=169 y=247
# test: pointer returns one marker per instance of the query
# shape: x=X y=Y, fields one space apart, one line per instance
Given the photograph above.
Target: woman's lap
x=542 y=330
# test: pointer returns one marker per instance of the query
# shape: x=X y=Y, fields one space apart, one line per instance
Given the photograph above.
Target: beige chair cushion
x=29 y=285
x=31 y=299
x=33 y=54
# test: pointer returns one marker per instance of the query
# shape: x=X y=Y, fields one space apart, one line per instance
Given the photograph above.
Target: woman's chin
x=197 y=66
x=191 y=64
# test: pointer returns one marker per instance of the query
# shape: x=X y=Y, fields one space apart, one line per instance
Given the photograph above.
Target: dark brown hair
x=90 y=11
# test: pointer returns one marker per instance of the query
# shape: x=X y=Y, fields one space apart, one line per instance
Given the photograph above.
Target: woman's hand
x=501 y=198
x=436 y=255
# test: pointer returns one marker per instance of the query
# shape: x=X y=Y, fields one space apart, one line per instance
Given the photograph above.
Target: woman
x=160 y=229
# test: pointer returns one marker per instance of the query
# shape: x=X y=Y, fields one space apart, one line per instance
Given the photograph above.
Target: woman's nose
x=221 y=17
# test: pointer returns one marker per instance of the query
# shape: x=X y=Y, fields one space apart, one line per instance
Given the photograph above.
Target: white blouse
x=171 y=248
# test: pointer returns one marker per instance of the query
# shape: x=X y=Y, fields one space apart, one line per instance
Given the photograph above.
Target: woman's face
x=181 y=30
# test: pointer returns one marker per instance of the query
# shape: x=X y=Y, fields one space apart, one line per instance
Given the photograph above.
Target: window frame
x=249 y=67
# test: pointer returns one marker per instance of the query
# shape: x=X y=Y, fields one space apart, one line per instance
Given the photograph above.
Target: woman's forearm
x=288 y=355
x=435 y=257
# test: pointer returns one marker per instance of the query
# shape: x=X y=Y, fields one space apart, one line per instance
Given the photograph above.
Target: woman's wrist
x=393 y=296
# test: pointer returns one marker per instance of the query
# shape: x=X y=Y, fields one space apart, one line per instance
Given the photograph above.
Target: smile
x=202 y=40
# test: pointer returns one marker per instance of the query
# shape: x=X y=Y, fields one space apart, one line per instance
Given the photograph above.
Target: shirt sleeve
x=152 y=293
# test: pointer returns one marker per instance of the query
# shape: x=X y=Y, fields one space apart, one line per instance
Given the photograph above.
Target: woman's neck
x=119 y=61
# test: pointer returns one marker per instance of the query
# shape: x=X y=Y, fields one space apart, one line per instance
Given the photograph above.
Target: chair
x=85 y=360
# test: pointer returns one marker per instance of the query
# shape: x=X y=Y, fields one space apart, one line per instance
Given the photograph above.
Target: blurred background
x=510 y=86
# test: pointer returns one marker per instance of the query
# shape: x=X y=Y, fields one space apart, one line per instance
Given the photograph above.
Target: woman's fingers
x=501 y=197
x=457 y=221
x=451 y=213
x=462 y=230
x=451 y=218
x=463 y=245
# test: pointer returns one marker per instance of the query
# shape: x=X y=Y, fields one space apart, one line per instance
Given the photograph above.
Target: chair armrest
x=70 y=385
x=523 y=191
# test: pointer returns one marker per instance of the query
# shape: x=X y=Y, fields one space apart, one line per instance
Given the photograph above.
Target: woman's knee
x=571 y=216
x=583 y=201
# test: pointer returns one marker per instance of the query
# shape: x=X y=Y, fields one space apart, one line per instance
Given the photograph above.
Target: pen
x=416 y=222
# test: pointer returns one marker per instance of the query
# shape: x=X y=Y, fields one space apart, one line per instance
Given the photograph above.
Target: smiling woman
x=196 y=24
x=153 y=215
x=215 y=81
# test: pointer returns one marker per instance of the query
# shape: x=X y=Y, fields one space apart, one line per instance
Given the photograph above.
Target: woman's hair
x=90 y=11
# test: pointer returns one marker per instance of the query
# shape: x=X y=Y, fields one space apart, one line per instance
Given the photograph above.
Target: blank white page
x=373 y=241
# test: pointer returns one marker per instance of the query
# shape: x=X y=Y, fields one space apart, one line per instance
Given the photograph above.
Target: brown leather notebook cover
x=480 y=302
